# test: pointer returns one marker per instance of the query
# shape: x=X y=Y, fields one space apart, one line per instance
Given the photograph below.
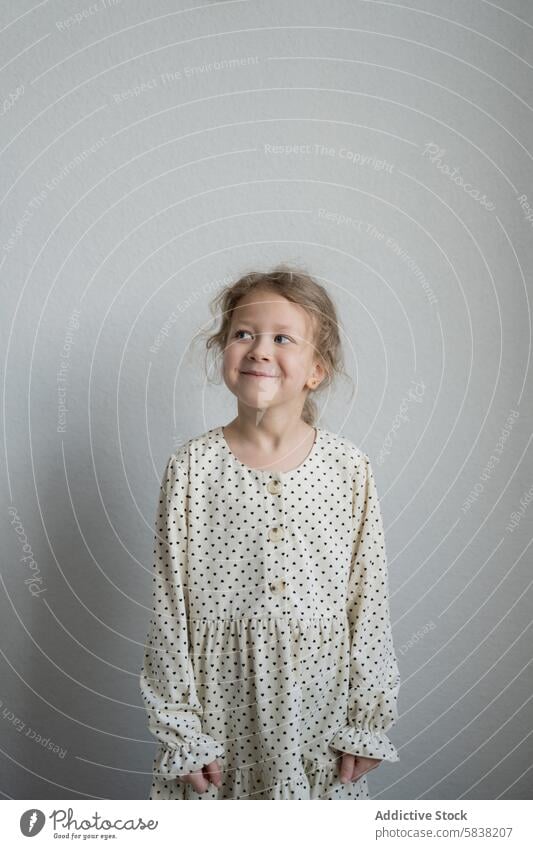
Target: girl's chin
x=255 y=399
x=255 y=396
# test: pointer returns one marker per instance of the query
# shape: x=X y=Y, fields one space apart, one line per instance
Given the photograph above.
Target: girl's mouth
x=257 y=374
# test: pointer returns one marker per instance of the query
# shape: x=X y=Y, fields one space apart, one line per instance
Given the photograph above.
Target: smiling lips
x=258 y=374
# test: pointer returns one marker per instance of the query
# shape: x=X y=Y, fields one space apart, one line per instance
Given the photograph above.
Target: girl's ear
x=313 y=382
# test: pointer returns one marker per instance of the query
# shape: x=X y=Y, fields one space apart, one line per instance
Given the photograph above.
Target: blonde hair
x=298 y=286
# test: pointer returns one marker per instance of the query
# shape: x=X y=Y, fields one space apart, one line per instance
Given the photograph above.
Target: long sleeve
x=374 y=678
x=167 y=679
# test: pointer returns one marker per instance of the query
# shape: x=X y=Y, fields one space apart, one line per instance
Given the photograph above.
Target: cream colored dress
x=270 y=645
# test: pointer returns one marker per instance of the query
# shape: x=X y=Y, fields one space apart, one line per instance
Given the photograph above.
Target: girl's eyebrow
x=278 y=327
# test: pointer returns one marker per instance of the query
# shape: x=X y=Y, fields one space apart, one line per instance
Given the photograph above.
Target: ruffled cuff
x=367 y=744
x=173 y=761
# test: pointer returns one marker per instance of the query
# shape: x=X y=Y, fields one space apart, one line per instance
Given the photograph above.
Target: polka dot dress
x=270 y=645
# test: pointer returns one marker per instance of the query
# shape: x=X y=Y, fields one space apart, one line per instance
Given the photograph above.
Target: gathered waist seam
x=283 y=618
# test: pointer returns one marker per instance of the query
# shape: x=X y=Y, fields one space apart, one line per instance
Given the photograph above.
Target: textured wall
x=151 y=152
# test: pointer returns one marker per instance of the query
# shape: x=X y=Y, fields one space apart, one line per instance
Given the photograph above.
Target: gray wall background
x=140 y=173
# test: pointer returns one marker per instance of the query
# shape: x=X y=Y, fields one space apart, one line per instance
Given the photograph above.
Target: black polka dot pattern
x=270 y=645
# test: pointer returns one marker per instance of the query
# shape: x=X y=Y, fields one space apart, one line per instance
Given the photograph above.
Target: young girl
x=269 y=670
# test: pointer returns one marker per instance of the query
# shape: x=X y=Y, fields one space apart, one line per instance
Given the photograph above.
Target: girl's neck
x=260 y=448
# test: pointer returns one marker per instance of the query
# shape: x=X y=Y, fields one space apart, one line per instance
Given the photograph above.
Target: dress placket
x=277 y=580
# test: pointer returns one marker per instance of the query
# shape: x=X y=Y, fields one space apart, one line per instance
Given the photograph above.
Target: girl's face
x=270 y=356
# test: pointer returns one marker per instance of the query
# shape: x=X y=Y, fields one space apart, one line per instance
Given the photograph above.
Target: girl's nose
x=261 y=345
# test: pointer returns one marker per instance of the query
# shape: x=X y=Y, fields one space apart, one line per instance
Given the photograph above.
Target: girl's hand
x=201 y=778
x=352 y=767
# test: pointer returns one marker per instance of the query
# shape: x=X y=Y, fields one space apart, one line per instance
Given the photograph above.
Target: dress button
x=274 y=487
x=275 y=534
x=278 y=586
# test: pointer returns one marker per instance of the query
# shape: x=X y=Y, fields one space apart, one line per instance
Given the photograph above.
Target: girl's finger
x=214 y=773
x=361 y=769
x=346 y=767
x=198 y=781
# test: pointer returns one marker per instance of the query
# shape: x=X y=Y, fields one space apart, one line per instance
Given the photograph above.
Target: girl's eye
x=278 y=335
